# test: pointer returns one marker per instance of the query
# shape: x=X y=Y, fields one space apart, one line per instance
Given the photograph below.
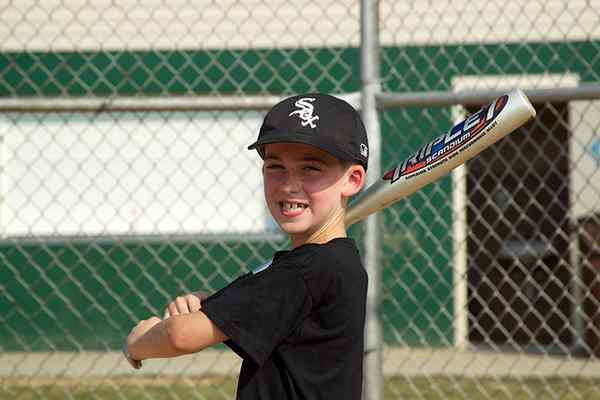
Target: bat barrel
x=460 y=143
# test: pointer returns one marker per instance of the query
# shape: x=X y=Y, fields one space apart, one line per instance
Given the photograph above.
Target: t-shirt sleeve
x=257 y=312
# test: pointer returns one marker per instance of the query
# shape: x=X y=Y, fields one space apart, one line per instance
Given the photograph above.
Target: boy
x=298 y=322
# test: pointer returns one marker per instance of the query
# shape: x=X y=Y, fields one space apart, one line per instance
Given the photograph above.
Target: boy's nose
x=292 y=183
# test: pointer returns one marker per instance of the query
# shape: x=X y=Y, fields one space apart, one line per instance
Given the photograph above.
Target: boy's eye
x=273 y=166
x=311 y=168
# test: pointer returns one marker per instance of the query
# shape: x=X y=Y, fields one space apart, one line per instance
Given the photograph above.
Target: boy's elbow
x=179 y=337
x=187 y=333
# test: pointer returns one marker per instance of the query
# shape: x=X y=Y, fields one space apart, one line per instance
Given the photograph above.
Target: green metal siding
x=89 y=295
x=74 y=296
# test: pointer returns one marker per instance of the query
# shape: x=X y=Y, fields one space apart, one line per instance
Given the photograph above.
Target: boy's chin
x=293 y=228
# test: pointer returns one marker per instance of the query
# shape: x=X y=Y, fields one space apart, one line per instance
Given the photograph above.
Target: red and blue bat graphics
x=458 y=138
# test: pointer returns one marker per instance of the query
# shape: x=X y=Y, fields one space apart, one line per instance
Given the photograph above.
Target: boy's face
x=304 y=187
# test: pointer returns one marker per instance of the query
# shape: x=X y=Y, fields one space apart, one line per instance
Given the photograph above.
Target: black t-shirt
x=298 y=324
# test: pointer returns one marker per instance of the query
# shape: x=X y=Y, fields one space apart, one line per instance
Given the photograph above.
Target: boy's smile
x=304 y=188
x=292 y=208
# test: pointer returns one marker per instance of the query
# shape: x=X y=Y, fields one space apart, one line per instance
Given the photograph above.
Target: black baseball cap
x=326 y=122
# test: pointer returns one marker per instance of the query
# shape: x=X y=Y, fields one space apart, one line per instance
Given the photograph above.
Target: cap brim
x=296 y=137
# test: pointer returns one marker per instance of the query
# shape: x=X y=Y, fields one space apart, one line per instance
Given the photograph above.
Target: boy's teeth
x=291 y=206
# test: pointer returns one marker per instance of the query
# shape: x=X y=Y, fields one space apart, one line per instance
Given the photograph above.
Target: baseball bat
x=460 y=143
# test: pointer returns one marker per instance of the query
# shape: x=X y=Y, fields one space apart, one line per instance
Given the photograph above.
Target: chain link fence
x=124 y=182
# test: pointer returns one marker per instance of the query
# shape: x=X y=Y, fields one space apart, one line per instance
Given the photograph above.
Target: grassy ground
x=430 y=388
x=450 y=388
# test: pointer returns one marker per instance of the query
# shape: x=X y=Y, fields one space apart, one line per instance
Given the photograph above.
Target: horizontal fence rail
x=478 y=97
x=125 y=181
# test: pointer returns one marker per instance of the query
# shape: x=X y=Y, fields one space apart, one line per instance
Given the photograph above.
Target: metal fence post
x=373 y=371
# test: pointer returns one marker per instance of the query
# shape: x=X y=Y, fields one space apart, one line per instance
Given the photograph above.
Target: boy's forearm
x=175 y=336
x=155 y=343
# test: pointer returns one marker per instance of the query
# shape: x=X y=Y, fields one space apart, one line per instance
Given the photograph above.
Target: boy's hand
x=185 y=304
x=140 y=330
x=137 y=364
x=137 y=332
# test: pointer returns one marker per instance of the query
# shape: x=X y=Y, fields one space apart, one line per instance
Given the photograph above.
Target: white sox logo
x=305 y=111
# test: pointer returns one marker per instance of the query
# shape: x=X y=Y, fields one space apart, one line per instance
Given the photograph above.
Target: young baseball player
x=297 y=322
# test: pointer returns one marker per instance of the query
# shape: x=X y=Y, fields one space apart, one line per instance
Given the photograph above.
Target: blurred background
x=124 y=182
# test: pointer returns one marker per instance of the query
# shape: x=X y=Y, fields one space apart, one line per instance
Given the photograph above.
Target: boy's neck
x=335 y=227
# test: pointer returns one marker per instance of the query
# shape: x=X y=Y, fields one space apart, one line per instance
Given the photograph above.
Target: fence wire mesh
x=490 y=276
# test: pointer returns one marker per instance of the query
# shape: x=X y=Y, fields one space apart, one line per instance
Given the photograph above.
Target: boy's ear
x=355 y=180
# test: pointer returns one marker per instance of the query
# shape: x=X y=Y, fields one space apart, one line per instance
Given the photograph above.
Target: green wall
x=87 y=295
